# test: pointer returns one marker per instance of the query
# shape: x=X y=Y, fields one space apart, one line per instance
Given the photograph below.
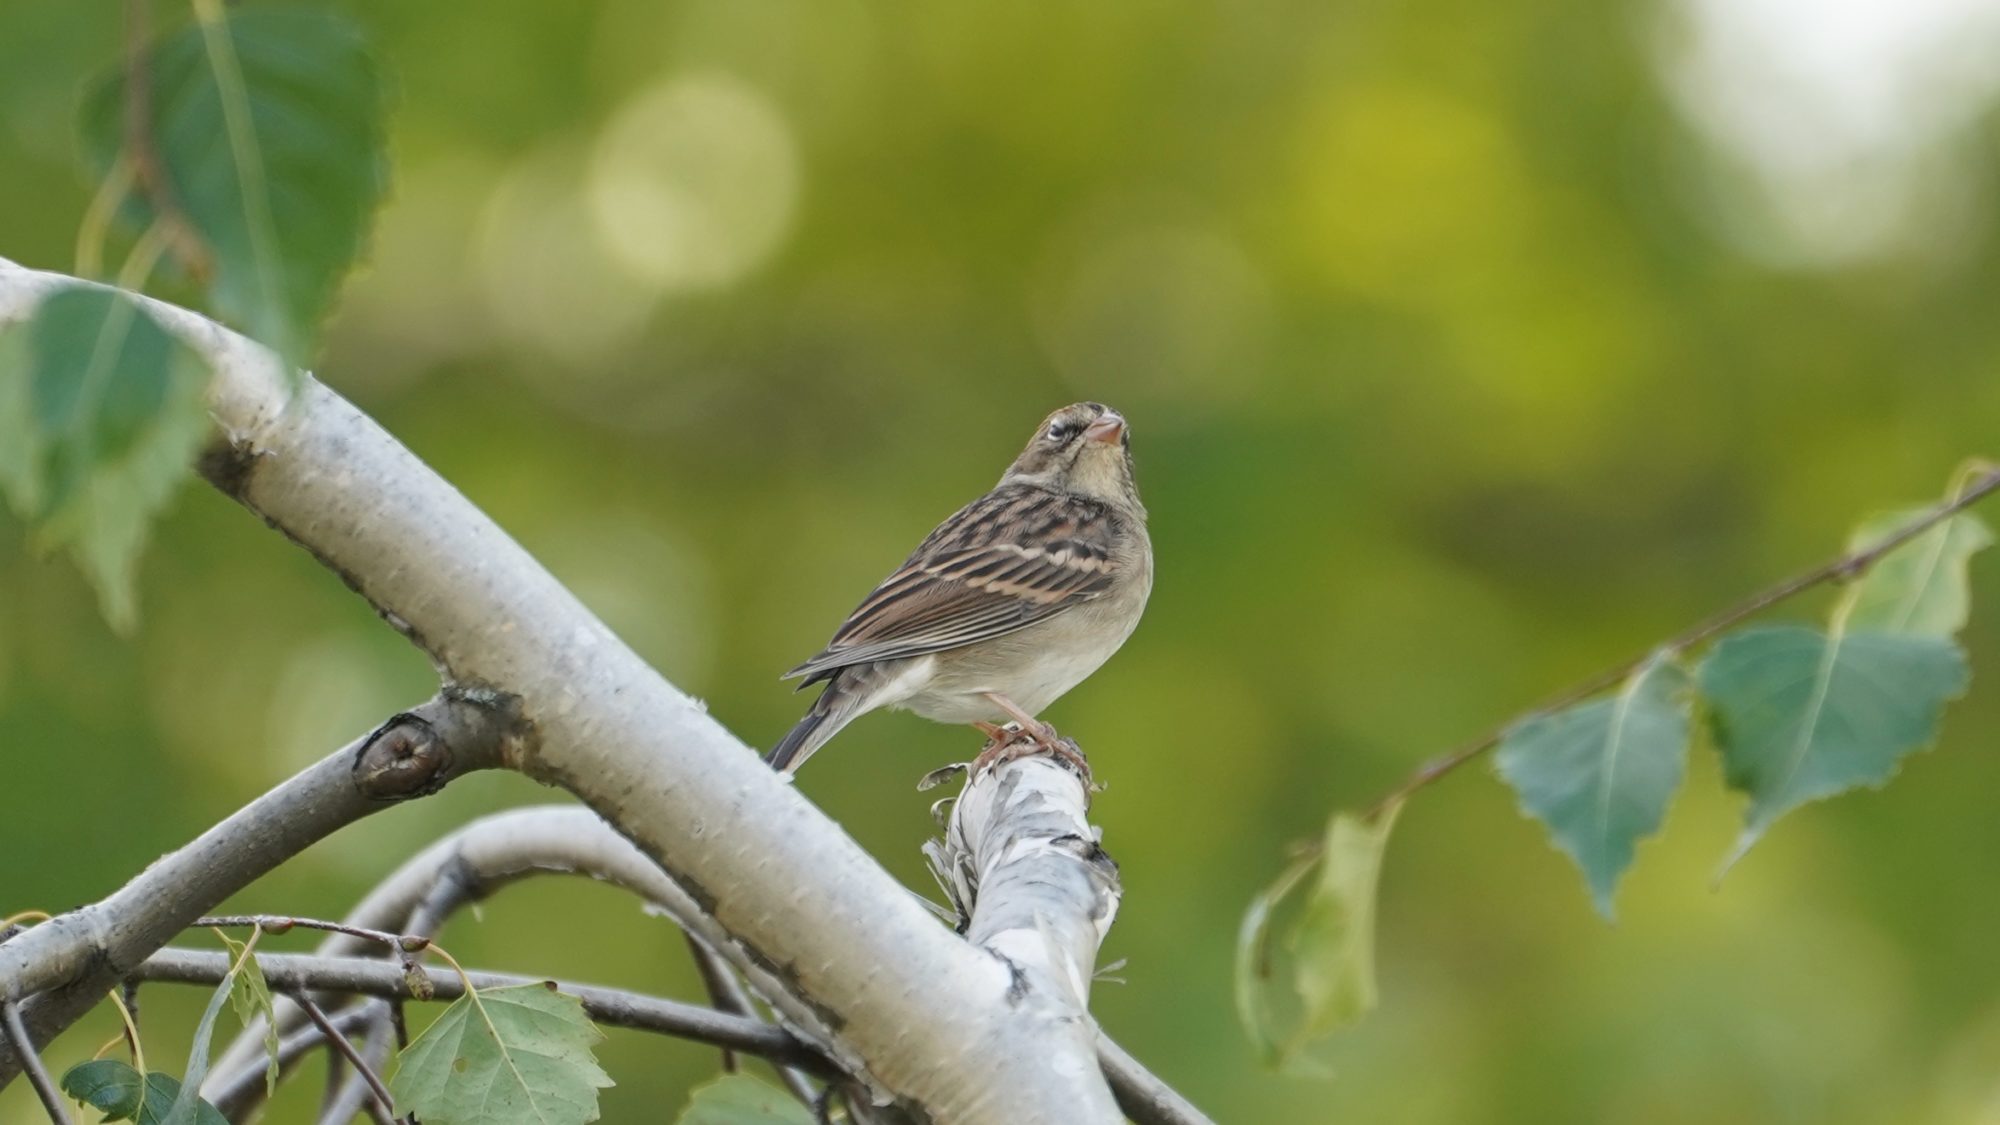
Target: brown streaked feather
x=1018 y=555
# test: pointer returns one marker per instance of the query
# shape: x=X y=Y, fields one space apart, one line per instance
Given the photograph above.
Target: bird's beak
x=1109 y=428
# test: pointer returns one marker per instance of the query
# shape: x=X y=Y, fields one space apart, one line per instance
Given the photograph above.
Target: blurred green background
x=1468 y=348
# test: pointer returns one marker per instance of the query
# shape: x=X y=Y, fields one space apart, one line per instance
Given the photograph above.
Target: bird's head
x=1085 y=449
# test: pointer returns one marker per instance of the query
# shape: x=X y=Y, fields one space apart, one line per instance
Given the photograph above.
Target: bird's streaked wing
x=1014 y=557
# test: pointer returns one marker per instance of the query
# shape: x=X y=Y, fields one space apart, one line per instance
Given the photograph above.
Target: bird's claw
x=1014 y=741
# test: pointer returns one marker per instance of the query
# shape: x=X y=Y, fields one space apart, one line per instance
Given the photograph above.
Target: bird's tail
x=835 y=708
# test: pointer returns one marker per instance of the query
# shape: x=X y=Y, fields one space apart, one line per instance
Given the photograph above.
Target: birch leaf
x=112 y=1087
x=520 y=1053
x=738 y=1099
x=1335 y=937
x=100 y=417
x=1921 y=586
x=250 y=995
x=270 y=128
x=1800 y=715
x=1256 y=971
x=1600 y=774
x=1328 y=947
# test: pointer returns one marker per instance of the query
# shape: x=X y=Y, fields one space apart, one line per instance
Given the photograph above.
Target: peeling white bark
x=929 y=1017
x=1033 y=888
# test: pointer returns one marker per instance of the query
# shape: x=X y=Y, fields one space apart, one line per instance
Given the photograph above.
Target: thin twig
x=346 y=1049
x=1842 y=569
x=728 y=995
x=221 y=1088
x=38 y=1075
x=279 y=923
x=336 y=1078
x=147 y=168
x=96 y=223
x=358 y=1091
x=718 y=982
x=126 y=999
x=292 y=972
x=354 y=1096
x=384 y=1019
x=408 y=947
x=128 y=1003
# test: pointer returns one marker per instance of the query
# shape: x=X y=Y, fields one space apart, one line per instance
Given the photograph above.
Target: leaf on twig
x=1329 y=944
x=739 y=1099
x=186 y=1107
x=1920 y=587
x=269 y=126
x=1795 y=713
x=100 y=417
x=1335 y=937
x=1256 y=971
x=112 y=1087
x=1800 y=714
x=1600 y=774
x=250 y=995
x=520 y=1053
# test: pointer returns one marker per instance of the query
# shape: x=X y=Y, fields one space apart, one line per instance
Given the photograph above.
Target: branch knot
x=404 y=758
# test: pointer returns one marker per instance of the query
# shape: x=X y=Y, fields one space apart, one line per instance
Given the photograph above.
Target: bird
x=1015 y=599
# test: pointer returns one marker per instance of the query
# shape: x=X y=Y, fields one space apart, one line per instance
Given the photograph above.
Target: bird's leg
x=1040 y=731
x=1042 y=734
x=1002 y=745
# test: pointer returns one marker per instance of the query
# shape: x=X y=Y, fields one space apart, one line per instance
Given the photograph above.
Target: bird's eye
x=1061 y=430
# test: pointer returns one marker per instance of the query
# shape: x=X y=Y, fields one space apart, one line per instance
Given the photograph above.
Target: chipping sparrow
x=1011 y=602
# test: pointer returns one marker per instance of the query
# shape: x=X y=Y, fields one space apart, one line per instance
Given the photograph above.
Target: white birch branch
x=1021 y=862
x=1033 y=886
x=927 y=1016
x=487 y=854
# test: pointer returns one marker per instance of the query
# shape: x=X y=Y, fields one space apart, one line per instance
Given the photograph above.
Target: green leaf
x=1920 y=587
x=1330 y=944
x=270 y=131
x=1255 y=968
x=1335 y=937
x=100 y=418
x=251 y=997
x=186 y=1106
x=109 y=1085
x=504 y=1054
x=738 y=1099
x=1600 y=774
x=1800 y=714
x=112 y=1086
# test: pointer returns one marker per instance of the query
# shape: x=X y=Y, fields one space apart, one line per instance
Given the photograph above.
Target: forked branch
x=62 y=968
x=775 y=886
